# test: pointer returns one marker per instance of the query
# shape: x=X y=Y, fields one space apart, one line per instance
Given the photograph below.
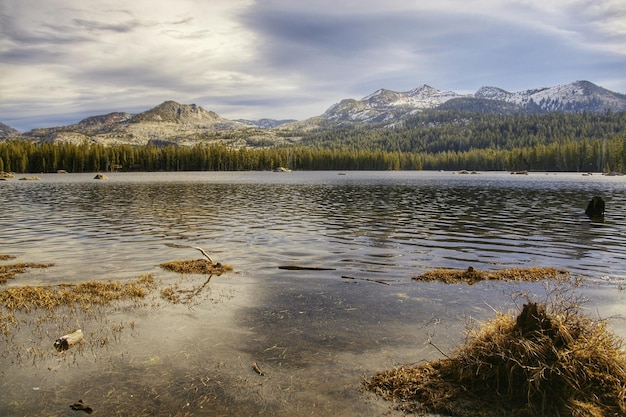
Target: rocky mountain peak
x=491 y=93
x=384 y=98
x=424 y=91
x=173 y=112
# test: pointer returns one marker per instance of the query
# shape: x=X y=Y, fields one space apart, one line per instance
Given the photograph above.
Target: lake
x=314 y=333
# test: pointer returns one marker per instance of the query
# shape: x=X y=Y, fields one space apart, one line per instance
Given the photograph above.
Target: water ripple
x=378 y=225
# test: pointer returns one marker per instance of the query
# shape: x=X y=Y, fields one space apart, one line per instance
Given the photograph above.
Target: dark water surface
x=314 y=333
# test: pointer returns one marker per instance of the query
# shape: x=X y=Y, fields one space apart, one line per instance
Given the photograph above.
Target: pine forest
x=431 y=140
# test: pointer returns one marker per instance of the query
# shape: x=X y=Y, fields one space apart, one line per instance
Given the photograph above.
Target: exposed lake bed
x=314 y=334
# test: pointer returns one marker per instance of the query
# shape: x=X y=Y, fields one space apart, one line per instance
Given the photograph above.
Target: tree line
x=566 y=155
x=431 y=140
x=437 y=131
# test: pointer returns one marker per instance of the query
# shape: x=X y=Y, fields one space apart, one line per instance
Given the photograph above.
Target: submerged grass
x=84 y=294
x=9 y=271
x=472 y=275
x=560 y=364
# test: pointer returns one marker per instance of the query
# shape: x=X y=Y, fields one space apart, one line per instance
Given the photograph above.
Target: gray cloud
x=290 y=59
x=431 y=46
x=93 y=25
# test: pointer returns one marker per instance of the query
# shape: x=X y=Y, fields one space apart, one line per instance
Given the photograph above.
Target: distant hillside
x=168 y=123
x=189 y=124
x=480 y=105
x=6 y=131
x=574 y=97
x=265 y=123
x=98 y=122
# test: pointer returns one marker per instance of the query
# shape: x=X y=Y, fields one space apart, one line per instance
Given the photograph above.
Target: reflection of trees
x=175 y=294
x=459 y=216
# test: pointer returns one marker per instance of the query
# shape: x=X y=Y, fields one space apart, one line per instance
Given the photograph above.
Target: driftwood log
x=69 y=340
x=304 y=268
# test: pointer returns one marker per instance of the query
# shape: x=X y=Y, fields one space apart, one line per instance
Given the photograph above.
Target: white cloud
x=292 y=59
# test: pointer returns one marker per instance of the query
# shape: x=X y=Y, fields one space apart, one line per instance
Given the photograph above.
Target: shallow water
x=314 y=333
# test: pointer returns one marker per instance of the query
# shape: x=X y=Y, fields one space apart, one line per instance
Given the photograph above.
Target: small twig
x=203 y=285
x=204 y=253
x=195 y=291
x=430 y=340
x=257 y=369
x=494 y=310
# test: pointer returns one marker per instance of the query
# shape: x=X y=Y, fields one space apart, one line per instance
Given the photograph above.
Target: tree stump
x=595 y=208
x=533 y=321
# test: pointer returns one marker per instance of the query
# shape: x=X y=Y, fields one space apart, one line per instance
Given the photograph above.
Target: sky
x=64 y=60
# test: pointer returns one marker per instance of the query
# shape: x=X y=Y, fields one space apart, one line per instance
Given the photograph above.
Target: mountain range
x=188 y=124
x=386 y=106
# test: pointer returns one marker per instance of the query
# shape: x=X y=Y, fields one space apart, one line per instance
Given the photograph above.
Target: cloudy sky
x=63 y=60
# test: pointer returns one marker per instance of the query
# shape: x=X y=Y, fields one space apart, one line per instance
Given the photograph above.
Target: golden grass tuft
x=560 y=364
x=472 y=276
x=197 y=266
x=84 y=294
x=9 y=271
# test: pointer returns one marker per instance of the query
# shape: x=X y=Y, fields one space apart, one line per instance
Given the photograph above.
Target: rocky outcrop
x=6 y=131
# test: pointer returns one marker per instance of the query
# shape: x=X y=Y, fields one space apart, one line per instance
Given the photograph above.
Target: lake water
x=315 y=333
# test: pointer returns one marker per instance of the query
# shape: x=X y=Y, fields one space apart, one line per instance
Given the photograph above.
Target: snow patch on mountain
x=387 y=105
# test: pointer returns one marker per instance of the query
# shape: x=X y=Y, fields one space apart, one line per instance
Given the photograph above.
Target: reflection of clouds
x=312 y=332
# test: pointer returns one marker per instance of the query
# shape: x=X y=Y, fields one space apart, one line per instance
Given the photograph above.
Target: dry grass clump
x=9 y=271
x=472 y=275
x=559 y=364
x=84 y=294
x=197 y=266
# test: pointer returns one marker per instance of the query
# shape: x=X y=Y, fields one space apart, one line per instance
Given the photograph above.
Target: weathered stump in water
x=595 y=208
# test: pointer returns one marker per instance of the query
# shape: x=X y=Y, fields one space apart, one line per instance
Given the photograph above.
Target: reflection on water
x=395 y=225
x=314 y=333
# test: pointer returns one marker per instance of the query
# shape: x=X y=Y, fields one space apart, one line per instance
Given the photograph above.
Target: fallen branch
x=204 y=253
x=304 y=268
